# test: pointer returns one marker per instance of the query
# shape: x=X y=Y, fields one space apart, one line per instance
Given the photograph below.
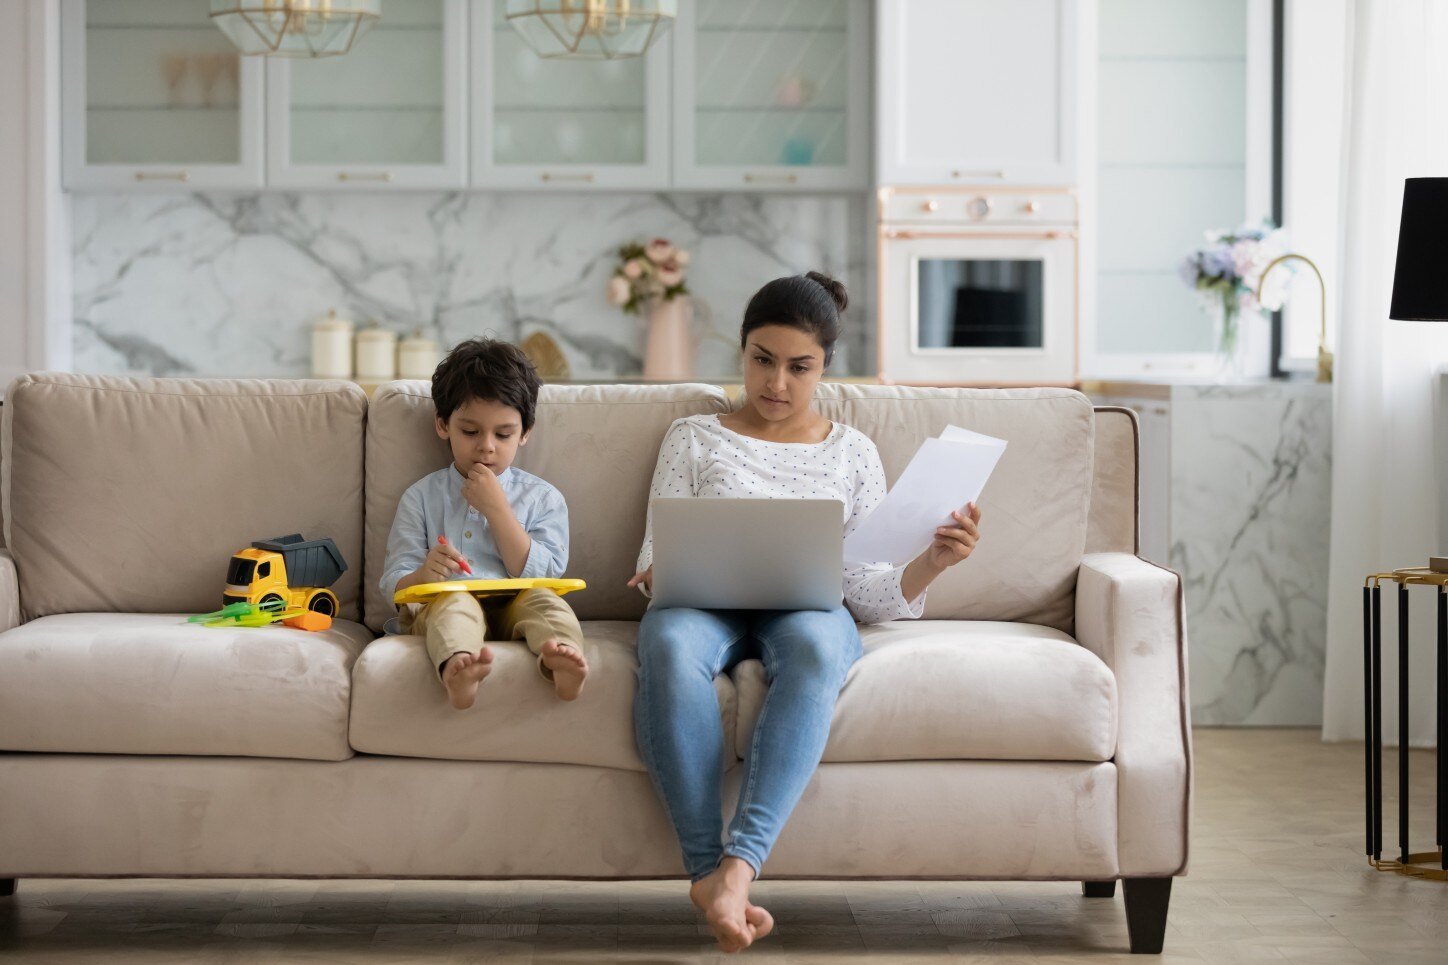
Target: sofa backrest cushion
x=1035 y=507
x=596 y=443
x=130 y=495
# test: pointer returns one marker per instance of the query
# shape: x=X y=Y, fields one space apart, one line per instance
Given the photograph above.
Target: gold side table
x=1415 y=865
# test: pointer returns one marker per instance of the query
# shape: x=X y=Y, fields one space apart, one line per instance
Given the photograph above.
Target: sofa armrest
x=1130 y=614
x=9 y=592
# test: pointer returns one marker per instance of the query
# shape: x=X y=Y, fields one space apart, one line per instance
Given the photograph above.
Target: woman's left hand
x=955 y=542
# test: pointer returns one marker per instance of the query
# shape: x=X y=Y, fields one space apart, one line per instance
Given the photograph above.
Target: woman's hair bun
x=834 y=286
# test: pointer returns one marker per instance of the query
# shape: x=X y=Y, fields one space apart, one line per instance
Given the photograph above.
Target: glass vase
x=1229 y=359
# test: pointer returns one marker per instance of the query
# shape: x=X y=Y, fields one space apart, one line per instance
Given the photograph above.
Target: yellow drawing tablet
x=423 y=592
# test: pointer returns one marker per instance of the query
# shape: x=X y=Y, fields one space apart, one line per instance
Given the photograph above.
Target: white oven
x=977 y=286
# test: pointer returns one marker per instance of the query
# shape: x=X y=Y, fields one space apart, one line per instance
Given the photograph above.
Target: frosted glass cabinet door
x=561 y=123
x=389 y=113
x=155 y=97
x=771 y=95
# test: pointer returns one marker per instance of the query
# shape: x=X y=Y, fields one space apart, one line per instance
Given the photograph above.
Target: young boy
x=504 y=522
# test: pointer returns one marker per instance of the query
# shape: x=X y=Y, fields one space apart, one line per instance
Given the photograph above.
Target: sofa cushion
x=596 y=443
x=126 y=683
x=1035 y=506
x=943 y=690
x=400 y=708
x=159 y=481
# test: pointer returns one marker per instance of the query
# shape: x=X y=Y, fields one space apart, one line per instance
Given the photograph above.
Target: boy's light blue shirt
x=434 y=506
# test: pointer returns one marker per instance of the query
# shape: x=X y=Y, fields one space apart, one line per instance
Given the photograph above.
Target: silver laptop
x=748 y=554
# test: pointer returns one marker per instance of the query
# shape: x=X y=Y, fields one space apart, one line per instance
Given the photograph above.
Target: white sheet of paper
x=944 y=475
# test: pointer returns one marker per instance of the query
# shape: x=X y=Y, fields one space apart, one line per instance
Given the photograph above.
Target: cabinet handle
x=366 y=176
x=770 y=178
x=586 y=177
x=999 y=174
x=172 y=176
x=1158 y=410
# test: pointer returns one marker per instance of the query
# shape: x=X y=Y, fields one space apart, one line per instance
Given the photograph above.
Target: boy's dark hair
x=811 y=302
x=487 y=369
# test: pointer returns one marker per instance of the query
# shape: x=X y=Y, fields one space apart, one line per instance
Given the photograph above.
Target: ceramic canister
x=376 y=354
x=332 y=348
x=417 y=356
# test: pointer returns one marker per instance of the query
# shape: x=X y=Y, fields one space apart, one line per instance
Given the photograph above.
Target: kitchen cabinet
x=771 y=96
x=562 y=123
x=978 y=91
x=389 y=113
x=154 y=97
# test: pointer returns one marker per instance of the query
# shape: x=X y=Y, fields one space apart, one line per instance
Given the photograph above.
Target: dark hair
x=811 y=302
x=487 y=369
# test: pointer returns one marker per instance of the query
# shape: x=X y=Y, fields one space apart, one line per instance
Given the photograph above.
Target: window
x=1183 y=145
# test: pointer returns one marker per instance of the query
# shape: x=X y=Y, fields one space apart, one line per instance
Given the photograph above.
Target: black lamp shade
x=1420 y=283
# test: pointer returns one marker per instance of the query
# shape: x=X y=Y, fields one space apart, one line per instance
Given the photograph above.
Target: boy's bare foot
x=569 y=668
x=462 y=673
x=723 y=897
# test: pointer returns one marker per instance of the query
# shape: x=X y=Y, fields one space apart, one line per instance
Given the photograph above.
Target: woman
x=775 y=446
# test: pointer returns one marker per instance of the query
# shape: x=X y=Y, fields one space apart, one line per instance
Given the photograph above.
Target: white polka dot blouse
x=700 y=457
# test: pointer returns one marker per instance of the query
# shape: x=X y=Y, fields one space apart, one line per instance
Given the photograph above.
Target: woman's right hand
x=646 y=578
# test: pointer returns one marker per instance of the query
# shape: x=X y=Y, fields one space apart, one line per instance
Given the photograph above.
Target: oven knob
x=930 y=206
x=978 y=208
x=1032 y=206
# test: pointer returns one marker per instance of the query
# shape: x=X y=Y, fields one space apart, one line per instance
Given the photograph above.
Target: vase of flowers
x=649 y=281
x=1225 y=275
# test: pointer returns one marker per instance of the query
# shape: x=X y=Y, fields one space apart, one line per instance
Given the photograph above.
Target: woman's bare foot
x=462 y=673
x=723 y=897
x=569 y=668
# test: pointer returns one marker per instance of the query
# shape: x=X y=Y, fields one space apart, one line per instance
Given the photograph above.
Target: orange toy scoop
x=309 y=620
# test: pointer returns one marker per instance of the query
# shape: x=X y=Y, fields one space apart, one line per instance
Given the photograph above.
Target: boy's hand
x=955 y=542
x=483 y=491
x=442 y=564
x=646 y=578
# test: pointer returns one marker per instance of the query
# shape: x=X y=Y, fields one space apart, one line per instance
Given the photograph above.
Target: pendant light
x=295 y=28
x=591 y=29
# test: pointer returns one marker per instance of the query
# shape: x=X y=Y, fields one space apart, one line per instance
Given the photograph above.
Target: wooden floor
x=1277 y=873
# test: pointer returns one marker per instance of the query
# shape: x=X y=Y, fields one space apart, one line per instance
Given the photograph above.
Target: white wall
x=34 y=226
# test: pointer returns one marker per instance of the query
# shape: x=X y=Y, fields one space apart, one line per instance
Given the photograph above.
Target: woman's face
x=782 y=366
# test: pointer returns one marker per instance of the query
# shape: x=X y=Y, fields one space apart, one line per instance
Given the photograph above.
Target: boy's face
x=483 y=431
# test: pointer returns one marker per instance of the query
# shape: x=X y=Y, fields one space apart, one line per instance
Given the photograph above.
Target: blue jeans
x=806 y=655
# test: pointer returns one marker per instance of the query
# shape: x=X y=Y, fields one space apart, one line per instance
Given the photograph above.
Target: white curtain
x=1385 y=506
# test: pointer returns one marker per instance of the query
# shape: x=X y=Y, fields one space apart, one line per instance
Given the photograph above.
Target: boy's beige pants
x=460 y=623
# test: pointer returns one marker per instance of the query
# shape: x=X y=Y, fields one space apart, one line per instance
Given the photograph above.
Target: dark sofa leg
x=1146 y=904
x=7 y=887
x=1098 y=889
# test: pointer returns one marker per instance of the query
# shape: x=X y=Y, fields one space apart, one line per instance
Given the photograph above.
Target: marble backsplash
x=230 y=284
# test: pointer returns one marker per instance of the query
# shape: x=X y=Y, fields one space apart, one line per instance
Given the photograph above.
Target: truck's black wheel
x=323 y=603
x=272 y=602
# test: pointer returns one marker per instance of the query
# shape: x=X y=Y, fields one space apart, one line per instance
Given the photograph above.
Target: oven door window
x=980 y=303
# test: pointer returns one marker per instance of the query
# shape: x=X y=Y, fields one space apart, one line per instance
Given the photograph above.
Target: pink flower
x=682 y=257
x=633 y=268
x=659 y=251
x=618 y=290
x=670 y=274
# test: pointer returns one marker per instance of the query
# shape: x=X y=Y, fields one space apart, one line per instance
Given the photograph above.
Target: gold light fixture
x=591 y=29
x=1324 y=356
x=295 y=28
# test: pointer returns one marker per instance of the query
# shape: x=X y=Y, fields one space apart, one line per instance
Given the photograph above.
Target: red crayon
x=462 y=563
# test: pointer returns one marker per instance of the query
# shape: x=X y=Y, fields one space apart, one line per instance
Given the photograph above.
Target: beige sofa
x=1032 y=726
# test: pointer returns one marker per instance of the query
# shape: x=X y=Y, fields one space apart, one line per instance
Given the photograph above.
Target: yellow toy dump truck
x=289 y=571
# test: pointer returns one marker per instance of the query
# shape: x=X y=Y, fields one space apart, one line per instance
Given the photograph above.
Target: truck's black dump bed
x=310 y=562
